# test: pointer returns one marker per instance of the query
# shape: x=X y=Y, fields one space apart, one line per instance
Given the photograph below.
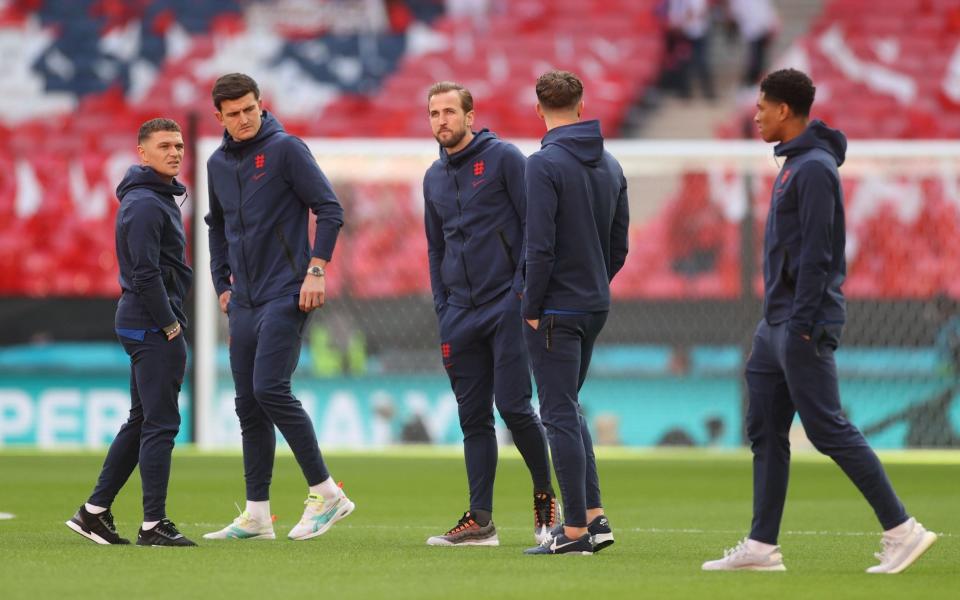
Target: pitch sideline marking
x=630 y=529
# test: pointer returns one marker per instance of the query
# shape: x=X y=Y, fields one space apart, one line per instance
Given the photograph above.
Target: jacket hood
x=583 y=140
x=479 y=141
x=816 y=135
x=139 y=176
x=269 y=125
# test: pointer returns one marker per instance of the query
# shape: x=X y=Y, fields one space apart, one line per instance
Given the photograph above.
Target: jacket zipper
x=463 y=238
x=243 y=229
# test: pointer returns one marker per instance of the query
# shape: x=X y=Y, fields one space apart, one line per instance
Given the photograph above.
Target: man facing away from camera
x=262 y=182
x=577 y=222
x=791 y=369
x=474 y=212
x=154 y=279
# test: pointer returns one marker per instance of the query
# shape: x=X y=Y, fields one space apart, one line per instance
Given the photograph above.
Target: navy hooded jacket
x=803 y=248
x=577 y=219
x=260 y=190
x=151 y=252
x=473 y=215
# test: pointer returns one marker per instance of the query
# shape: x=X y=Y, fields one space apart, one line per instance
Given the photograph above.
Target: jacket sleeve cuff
x=221 y=287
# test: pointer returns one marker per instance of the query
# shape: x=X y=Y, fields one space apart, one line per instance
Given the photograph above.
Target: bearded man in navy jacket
x=577 y=220
x=473 y=214
x=262 y=182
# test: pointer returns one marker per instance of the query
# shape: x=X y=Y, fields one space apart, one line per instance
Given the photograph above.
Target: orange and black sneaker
x=467 y=533
x=546 y=515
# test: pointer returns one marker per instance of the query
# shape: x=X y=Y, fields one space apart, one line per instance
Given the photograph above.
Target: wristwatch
x=315 y=271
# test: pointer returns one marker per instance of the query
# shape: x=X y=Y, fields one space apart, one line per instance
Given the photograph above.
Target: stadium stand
x=80 y=76
x=86 y=73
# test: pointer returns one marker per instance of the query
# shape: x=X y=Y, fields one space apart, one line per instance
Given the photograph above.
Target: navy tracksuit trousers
x=156 y=374
x=788 y=375
x=264 y=350
x=485 y=358
x=560 y=351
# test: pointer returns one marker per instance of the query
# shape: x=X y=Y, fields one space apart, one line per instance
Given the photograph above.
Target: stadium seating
x=83 y=75
x=884 y=69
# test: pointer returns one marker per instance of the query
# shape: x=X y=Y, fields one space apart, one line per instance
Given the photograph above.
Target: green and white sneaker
x=320 y=515
x=244 y=527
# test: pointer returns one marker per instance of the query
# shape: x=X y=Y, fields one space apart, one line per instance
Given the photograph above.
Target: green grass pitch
x=670 y=511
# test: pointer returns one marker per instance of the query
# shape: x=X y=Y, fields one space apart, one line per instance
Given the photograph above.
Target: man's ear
x=580 y=109
x=141 y=153
x=539 y=110
x=468 y=119
x=783 y=111
x=219 y=116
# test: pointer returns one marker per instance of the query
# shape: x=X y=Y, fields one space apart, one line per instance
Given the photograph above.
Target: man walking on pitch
x=577 y=220
x=791 y=369
x=154 y=278
x=474 y=212
x=261 y=182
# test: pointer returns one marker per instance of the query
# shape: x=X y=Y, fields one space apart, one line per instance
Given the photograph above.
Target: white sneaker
x=742 y=558
x=244 y=527
x=320 y=515
x=898 y=553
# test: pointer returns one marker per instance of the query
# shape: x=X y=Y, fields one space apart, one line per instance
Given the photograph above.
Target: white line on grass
x=630 y=529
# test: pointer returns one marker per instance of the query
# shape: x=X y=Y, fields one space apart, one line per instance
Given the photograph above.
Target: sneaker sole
x=87 y=534
x=341 y=514
x=262 y=536
x=601 y=541
x=775 y=568
x=929 y=538
x=439 y=541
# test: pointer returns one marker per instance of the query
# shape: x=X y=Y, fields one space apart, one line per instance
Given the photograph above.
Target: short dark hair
x=791 y=87
x=559 y=90
x=442 y=87
x=158 y=124
x=233 y=86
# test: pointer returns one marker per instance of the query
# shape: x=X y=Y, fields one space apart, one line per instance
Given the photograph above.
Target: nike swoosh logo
x=258 y=176
x=555 y=547
x=478 y=182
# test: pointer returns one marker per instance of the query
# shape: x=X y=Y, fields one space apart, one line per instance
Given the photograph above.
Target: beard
x=455 y=138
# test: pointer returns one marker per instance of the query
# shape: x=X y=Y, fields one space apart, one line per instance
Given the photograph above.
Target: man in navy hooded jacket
x=474 y=211
x=791 y=369
x=262 y=181
x=154 y=278
x=577 y=220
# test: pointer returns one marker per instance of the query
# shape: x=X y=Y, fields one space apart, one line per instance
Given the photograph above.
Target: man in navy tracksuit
x=262 y=181
x=474 y=212
x=577 y=220
x=154 y=278
x=791 y=369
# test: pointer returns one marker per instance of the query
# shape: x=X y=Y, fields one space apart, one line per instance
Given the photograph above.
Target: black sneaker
x=163 y=533
x=600 y=533
x=561 y=544
x=96 y=528
x=546 y=515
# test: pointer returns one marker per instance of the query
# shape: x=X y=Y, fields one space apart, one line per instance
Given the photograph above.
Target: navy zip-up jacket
x=474 y=211
x=259 y=191
x=151 y=252
x=803 y=248
x=577 y=220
